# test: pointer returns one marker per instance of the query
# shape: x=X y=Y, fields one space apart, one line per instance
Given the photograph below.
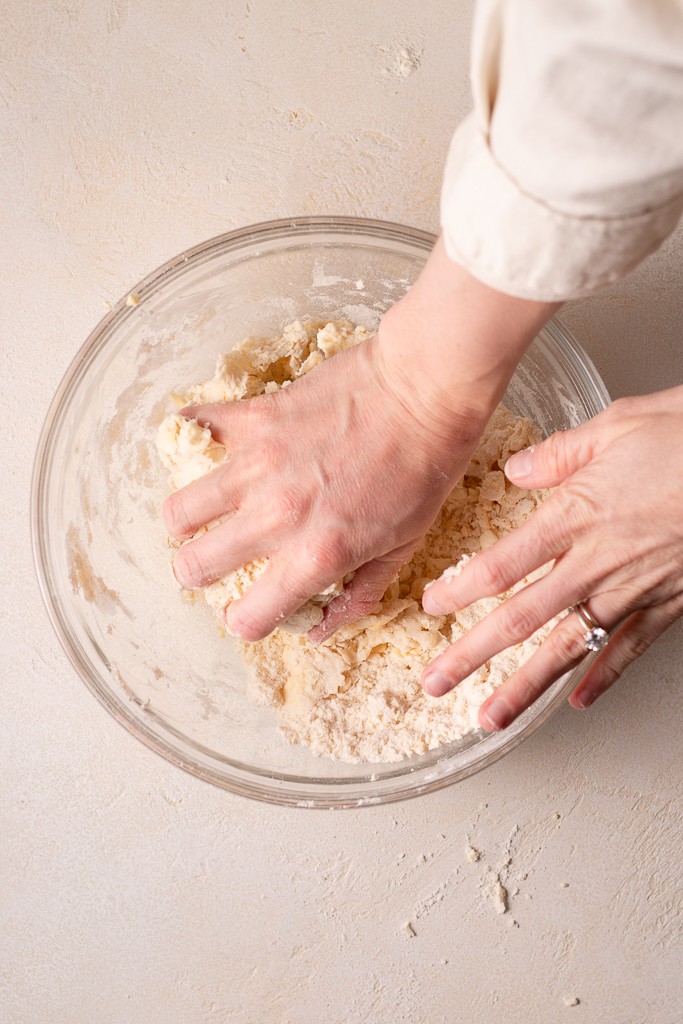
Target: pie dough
x=357 y=697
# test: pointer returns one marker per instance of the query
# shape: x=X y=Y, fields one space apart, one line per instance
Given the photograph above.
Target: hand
x=340 y=470
x=614 y=527
x=346 y=468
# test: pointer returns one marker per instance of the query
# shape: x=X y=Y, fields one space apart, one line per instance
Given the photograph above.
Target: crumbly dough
x=255 y=367
x=357 y=697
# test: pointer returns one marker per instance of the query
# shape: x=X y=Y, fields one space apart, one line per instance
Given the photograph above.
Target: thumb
x=549 y=463
x=360 y=596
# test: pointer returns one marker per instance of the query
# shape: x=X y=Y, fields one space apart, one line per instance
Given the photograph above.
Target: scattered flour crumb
x=472 y=854
x=408 y=930
x=401 y=61
x=499 y=895
x=133 y=299
x=564 y=885
x=571 y=1001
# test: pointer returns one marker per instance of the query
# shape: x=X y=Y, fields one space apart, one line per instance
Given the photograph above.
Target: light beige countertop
x=134 y=893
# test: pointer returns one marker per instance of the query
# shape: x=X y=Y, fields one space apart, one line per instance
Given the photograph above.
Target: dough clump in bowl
x=357 y=697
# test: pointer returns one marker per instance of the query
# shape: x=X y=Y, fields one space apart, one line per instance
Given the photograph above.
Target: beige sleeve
x=569 y=171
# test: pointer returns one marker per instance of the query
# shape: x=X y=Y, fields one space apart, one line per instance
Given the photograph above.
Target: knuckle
x=568 y=643
x=576 y=510
x=492 y=575
x=367 y=590
x=460 y=661
x=517 y=623
x=637 y=645
x=529 y=687
x=363 y=601
x=523 y=687
x=291 y=507
x=328 y=556
x=608 y=676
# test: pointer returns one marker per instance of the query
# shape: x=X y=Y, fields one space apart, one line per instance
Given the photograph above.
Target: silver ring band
x=595 y=636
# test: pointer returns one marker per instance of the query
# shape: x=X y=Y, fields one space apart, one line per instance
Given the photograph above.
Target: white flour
x=357 y=697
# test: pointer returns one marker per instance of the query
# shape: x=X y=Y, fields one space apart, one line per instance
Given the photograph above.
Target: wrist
x=452 y=343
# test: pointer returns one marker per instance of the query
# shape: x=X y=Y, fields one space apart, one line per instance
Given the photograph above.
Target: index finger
x=547 y=534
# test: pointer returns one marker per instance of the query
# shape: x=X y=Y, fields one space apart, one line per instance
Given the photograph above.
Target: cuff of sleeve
x=517 y=245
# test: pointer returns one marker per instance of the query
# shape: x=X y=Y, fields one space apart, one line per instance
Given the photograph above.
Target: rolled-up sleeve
x=569 y=171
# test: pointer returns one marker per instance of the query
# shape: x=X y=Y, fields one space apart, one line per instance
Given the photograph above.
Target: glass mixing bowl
x=159 y=666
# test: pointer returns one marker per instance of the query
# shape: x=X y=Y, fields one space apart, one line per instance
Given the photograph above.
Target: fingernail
x=436 y=684
x=585 y=699
x=430 y=603
x=232 y=623
x=179 y=579
x=520 y=465
x=498 y=714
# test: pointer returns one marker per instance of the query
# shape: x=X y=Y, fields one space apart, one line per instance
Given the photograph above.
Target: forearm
x=452 y=343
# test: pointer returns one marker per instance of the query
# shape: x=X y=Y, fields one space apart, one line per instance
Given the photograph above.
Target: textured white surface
x=133 y=892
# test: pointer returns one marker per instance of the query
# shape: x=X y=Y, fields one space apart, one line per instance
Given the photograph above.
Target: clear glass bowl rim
x=291 y=791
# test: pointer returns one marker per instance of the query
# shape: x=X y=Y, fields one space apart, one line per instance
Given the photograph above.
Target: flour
x=357 y=697
x=401 y=60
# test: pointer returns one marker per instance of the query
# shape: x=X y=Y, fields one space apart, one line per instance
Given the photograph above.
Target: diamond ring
x=595 y=636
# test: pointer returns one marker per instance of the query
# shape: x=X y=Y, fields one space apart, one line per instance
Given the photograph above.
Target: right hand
x=612 y=528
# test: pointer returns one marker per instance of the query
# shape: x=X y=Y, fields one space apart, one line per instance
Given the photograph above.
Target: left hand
x=343 y=470
x=614 y=528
